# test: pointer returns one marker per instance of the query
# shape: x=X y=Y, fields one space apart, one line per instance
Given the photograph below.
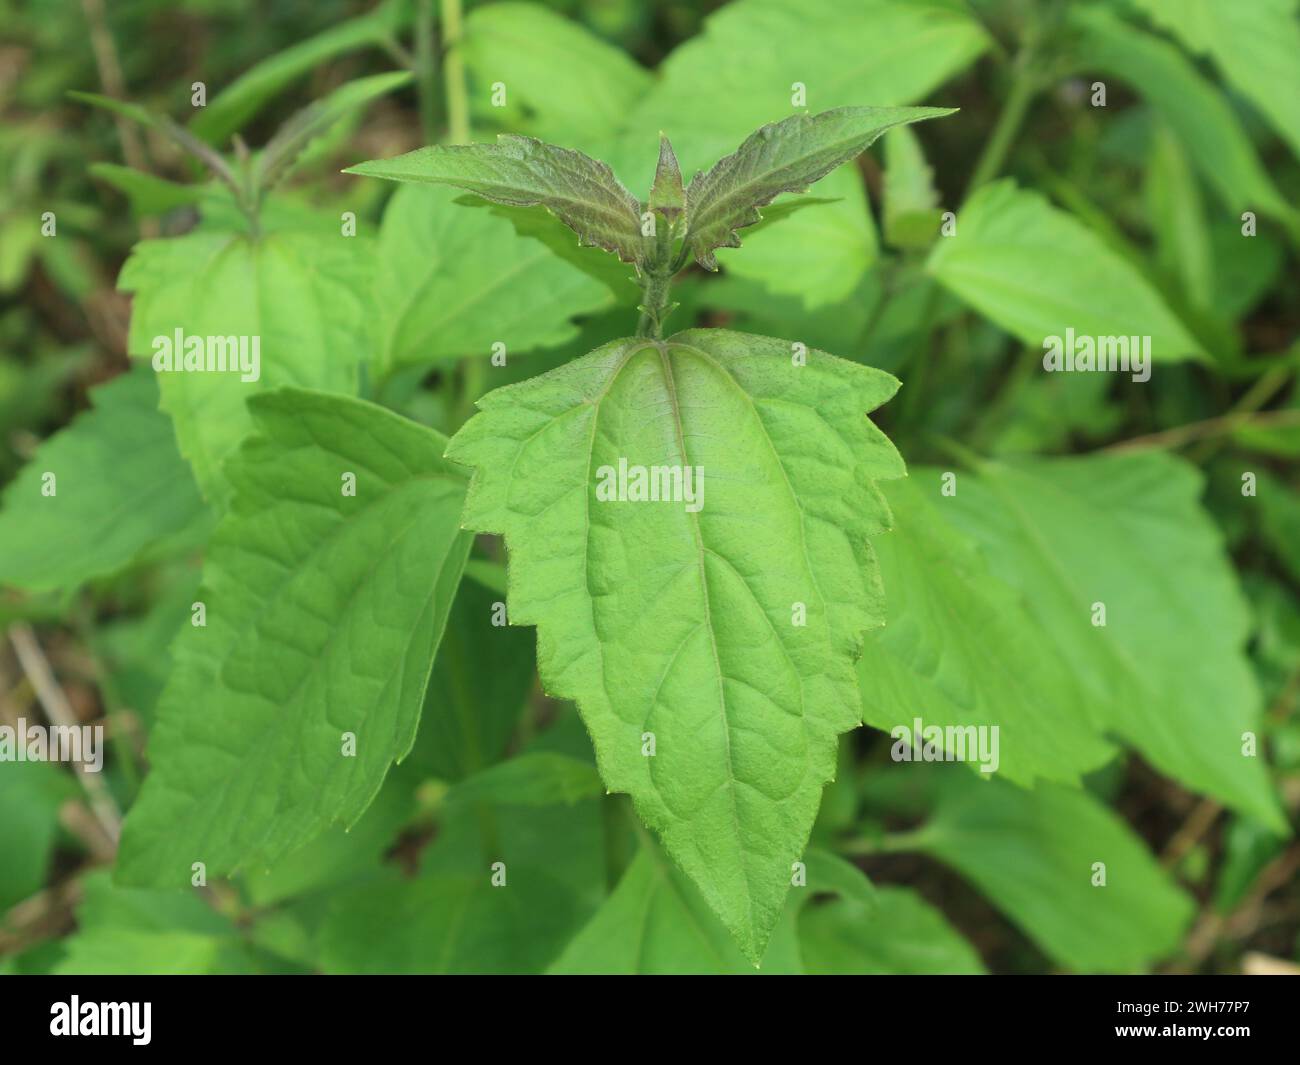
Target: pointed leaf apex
x=667 y=195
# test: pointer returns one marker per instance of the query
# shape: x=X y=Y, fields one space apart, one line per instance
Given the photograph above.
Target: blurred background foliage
x=1129 y=213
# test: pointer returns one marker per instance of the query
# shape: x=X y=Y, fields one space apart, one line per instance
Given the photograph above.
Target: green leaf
x=684 y=623
x=667 y=197
x=148 y=195
x=563 y=83
x=451 y=283
x=1254 y=44
x=30 y=796
x=1279 y=507
x=119 y=487
x=754 y=55
x=1248 y=847
x=133 y=932
x=314 y=120
x=1035 y=854
x=583 y=193
x=164 y=125
x=959 y=649
x=131 y=650
x=450 y=918
x=1194 y=107
x=1177 y=215
x=338 y=855
x=820 y=255
x=840 y=327
x=911 y=203
x=903 y=935
x=543 y=226
x=655 y=922
x=301 y=294
x=481 y=681
x=323 y=613
x=1166 y=673
x=1036 y=271
x=785 y=156
x=240 y=101
x=533 y=778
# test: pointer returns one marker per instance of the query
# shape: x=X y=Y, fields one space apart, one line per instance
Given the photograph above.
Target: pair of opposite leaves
x=657 y=620
x=729 y=633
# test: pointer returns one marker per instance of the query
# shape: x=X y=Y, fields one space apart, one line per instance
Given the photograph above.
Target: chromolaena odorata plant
x=709 y=645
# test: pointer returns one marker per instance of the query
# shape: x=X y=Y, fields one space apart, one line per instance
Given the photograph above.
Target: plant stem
x=425 y=66
x=1024 y=87
x=1207 y=430
x=473 y=383
x=890 y=843
x=654 y=306
x=1014 y=109
x=453 y=72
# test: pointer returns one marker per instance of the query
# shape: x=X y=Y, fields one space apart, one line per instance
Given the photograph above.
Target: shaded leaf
x=323 y=613
x=120 y=488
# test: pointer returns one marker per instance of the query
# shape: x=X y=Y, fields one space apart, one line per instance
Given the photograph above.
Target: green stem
x=425 y=66
x=1254 y=398
x=453 y=68
x=890 y=843
x=1024 y=87
x=473 y=383
x=654 y=305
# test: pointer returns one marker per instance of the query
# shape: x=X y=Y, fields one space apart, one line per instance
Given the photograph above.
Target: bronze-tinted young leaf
x=785 y=156
x=583 y=193
x=666 y=194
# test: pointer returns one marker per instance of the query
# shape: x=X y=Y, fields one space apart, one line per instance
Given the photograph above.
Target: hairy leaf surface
x=684 y=624
x=583 y=193
x=785 y=156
